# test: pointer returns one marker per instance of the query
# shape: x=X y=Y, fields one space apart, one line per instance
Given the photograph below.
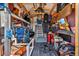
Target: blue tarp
x=20 y=31
x=2 y=5
x=20 y=34
x=9 y=33
x=27 y=37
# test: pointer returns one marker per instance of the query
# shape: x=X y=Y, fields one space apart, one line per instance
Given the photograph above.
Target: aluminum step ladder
x=39 y=33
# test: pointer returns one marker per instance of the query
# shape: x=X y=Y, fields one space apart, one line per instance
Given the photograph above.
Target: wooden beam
x=76 y=31
x=65 y=11
x=53 y=6
x=19 y=18
x=19 y=44
x=21 y=5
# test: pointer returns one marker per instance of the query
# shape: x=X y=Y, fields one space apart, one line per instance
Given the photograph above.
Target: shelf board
x=65 y=32
x=18 y=44
x=13 y=15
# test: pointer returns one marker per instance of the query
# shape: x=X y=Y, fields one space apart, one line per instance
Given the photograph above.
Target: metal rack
x=29 y=46
x=17 y=17
x=7 y=26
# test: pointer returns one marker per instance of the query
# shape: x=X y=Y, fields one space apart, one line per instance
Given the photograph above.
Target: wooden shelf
x=65 y=32
x=19 y=44
x=29 y=47
x=65 y=11
x=19 y=18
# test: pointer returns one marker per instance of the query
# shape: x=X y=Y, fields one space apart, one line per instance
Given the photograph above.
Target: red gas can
x=50 y=38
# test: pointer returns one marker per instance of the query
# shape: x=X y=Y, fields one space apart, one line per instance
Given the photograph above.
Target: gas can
x=52 y=38
x=48 y=38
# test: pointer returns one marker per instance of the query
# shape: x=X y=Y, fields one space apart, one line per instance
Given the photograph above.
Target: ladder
x=39 y=33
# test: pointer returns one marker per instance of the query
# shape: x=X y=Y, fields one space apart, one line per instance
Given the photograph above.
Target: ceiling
x=47 y=8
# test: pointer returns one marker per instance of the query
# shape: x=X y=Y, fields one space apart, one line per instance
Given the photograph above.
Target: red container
x=50 y=38
x=10 y=6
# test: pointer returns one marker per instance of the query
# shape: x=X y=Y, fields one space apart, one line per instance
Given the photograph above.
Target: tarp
x=2 y=5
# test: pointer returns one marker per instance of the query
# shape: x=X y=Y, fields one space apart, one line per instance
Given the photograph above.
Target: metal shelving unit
x=7 y=26
x=30 y=45
x=17 y=17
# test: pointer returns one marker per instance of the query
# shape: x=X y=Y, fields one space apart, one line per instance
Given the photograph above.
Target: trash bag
x=31 y=33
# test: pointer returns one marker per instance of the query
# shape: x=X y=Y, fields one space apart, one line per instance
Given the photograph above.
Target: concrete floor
x=41 y=50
